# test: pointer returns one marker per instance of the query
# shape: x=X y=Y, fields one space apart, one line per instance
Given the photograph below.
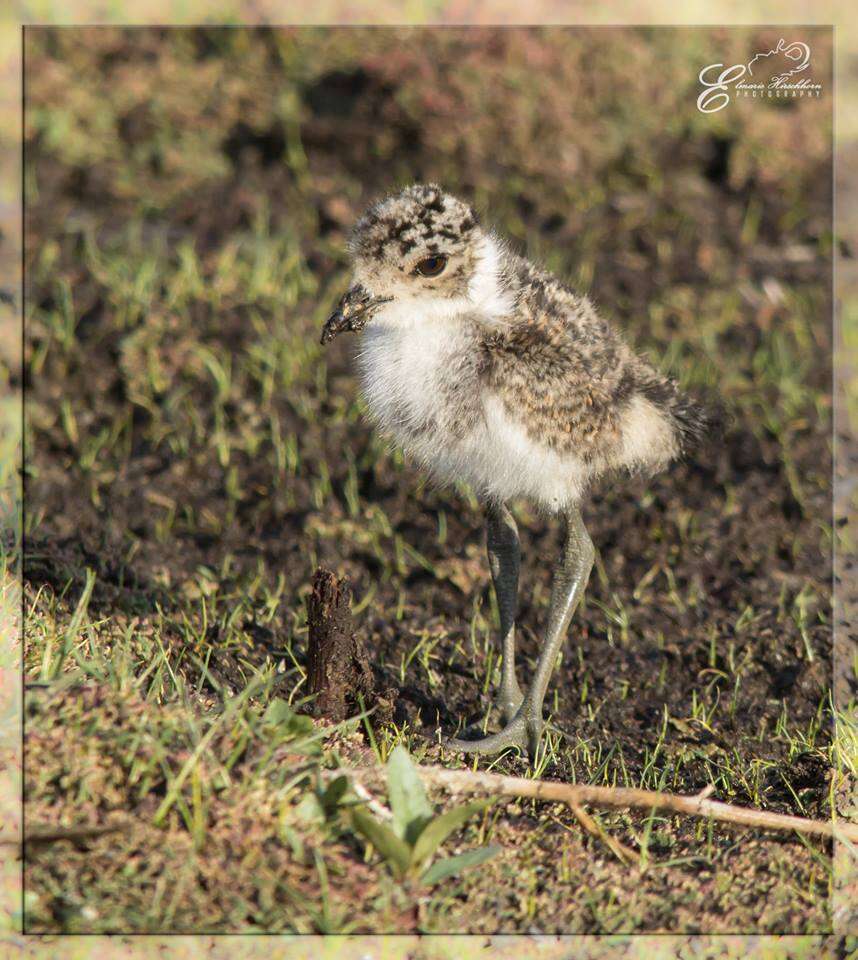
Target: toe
x=487 y=745
x=514 y=734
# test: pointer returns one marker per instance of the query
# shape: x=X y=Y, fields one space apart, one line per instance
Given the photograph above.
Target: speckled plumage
x=487 y=369
x=496 y=372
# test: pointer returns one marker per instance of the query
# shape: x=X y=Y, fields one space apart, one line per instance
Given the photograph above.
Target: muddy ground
x=188 y=197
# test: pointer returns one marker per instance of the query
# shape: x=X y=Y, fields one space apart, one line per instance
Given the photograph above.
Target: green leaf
x=436 y=832
x=289 y=724
x=334 y=793
x=310 y=810
x=450 y=866
x=295 y=841
x=277 y=712
x=391 y=847
x=408 y=800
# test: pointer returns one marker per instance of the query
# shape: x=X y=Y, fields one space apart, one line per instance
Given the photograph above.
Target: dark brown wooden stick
x=337 y=665
x=51 y=834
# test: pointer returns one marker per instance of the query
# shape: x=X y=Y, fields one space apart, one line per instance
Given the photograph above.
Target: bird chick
x=487 y=369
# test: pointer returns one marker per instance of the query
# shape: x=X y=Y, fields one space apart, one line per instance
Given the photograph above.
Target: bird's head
x=420 y=244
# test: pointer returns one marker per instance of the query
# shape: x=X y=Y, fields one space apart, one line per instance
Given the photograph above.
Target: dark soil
x=702 y=653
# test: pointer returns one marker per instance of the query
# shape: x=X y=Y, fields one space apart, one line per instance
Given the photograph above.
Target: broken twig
x=575 y=794
x=623 y=853
x=51 y=834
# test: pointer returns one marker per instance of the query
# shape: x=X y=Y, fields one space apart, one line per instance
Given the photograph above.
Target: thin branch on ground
x=623 y=853
x=699 y=805
x=379 y=809
x=52 y=834
x=575 y=795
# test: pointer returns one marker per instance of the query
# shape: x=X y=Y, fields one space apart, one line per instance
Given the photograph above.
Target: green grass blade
x=391 y=847
x=451 y=866
x=205 y=740
x=437 y=831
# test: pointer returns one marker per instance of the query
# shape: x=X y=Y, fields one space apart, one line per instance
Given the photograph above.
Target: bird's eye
x=431 y=266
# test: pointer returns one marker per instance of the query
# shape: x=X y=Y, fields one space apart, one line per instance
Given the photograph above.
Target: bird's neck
x=490 y=291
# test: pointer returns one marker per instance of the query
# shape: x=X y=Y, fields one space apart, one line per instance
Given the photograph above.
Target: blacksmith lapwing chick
x=487 y=369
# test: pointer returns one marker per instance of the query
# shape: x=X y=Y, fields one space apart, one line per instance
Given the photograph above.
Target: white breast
x=403 y=360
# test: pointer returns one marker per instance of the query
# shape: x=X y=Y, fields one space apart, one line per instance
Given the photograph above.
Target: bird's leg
x=504 y=552
x=570 y=579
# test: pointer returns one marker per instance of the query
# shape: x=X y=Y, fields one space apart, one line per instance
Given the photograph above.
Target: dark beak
x=353 y=312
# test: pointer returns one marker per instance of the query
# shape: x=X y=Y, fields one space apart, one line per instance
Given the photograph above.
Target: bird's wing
x=561 y=370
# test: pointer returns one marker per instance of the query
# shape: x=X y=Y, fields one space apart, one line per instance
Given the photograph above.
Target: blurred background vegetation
x=192 y=457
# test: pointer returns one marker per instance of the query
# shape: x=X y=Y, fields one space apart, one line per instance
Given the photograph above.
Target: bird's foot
x=523 y=732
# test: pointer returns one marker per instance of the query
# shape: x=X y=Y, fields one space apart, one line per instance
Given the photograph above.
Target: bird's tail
x=697 y=421
x=694 y=421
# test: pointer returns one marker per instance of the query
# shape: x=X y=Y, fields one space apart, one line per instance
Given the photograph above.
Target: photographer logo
x=774 y=74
